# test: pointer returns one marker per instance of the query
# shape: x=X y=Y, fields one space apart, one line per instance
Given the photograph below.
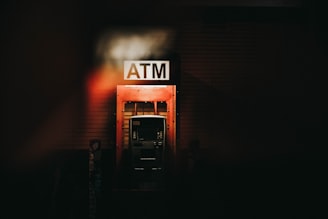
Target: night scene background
x=251 y=107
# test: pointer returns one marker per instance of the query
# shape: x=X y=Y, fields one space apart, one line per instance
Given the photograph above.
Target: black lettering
x=155 y=70
x=145 y=68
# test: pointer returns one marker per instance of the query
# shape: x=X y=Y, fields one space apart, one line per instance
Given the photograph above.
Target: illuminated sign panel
x=147 y=70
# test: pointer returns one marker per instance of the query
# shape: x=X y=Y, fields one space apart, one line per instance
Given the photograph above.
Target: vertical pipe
x=135 y=108
x=155 y=108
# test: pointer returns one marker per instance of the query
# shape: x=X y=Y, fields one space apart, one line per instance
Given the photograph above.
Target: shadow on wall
x=240 y=128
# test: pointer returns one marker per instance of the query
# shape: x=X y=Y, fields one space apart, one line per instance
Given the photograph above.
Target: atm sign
x=147 y=70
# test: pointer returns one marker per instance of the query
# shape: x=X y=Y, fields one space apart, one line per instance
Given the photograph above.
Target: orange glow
x=101 y=86
x=149 y=93
x=102 y=81
x=101 y=89
x=112 y=49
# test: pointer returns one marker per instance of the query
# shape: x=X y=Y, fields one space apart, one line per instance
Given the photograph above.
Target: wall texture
x=249 y=82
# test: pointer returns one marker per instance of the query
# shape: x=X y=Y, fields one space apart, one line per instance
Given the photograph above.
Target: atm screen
x=147 y=129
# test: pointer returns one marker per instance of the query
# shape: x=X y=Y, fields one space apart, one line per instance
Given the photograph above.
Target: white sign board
x=147 y=70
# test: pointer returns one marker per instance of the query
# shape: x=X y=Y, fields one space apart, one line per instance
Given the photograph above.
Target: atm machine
x=147 y=142
x=145 y=134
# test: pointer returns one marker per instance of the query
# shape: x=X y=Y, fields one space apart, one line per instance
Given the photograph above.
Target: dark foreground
x=275 y=188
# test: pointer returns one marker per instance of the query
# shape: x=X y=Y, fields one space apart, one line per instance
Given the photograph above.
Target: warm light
x=116 y=46
x=145 y=86
x=112 y=50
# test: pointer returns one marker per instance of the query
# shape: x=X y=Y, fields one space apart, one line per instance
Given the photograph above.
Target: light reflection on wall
x=61 y=130
x=112 y=48
x=135 y=44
